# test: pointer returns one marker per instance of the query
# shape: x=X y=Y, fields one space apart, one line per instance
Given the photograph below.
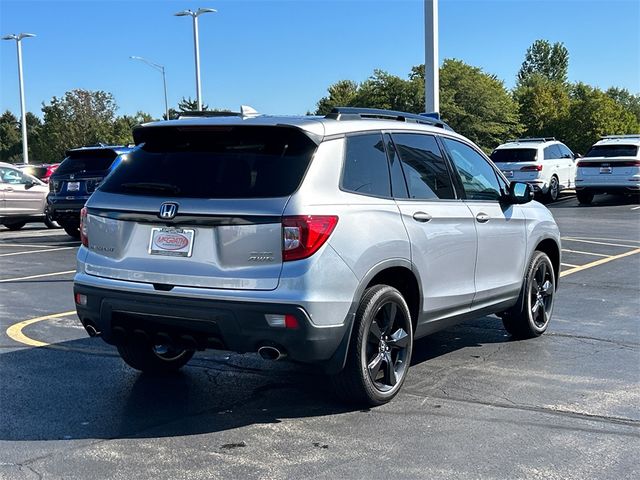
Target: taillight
x=83 y=227
x=629 y=163
x=303 y=235
x=531 y=168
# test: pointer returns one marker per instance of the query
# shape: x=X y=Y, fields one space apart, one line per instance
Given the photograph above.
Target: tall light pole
x=160 y=68
x=196 y=47
x=18 y=38
x=431 y=63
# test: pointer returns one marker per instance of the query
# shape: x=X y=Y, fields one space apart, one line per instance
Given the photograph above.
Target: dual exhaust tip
x=269 y=352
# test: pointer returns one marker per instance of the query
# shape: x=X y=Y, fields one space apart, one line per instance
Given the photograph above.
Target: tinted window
x=87 y=161
x=514 y=155
x=214 y=162
x=566 y=153
x=612 y=151
x=366 y=169
x=424 y=166
x=552 y=152
x=398 y=183
x=477 y=175
x=13 y=176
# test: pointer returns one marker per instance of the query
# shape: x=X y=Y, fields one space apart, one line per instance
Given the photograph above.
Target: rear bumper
x=65 y=208
x=208 y=323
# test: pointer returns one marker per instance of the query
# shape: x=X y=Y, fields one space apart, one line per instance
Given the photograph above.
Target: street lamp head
x=200 y=11
x=184 y=13
x=18 y=37
x=25 y=35
x=10 y=37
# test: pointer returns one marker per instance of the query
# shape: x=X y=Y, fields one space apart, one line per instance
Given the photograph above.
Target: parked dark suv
x=76 y=179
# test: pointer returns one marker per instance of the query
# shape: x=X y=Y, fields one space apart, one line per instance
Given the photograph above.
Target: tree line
x=474 y=103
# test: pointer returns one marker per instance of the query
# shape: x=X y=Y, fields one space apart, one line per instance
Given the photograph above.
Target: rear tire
x=585 y=197
x=49 y=222
x=379 y=353
x=553 y=191
x=531 y=315
x=149 y=358
x=72 y=229
x=14 y=225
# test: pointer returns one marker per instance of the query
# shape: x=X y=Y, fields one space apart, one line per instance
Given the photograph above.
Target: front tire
x=150 y=358
x=585 y=197
x=379 y=353
x=531 y=315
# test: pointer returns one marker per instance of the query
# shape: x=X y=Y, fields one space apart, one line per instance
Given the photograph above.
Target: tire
x=146 y=357
x=379 y=353
x=14 y=225
x=72 y=229
x=530 y=317
x=49 y=222
x=553 y=191
x=585 y=197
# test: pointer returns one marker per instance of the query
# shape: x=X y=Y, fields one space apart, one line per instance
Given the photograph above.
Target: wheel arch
x=552 y=249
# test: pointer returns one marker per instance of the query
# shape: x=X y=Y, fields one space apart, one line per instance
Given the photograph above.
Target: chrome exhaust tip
x=92 y=330
x=271 y=353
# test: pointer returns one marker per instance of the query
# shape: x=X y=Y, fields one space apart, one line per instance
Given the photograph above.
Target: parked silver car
x=332 y=240
x=22 y=198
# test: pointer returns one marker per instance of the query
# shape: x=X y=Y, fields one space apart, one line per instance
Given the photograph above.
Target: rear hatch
x=606 y=160
x=517 y=163
x=82 y=171
x=198 y=206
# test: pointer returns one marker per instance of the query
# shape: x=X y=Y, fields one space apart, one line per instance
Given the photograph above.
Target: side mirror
x=28 y=184
x=520 y=193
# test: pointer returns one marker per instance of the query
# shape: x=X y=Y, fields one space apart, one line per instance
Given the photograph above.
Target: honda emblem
x=168 y=210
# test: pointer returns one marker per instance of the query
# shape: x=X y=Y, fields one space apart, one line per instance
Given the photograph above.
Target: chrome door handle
x=482 y=217
x=421 y=217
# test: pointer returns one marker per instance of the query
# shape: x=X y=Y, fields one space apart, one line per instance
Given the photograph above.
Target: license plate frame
x=171 y=242
x=508 y=173
x=606 y=170
x=73 y=186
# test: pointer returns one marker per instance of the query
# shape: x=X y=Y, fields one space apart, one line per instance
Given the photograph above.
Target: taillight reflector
x=83 y=227
x=303 y=235
x=531 y=168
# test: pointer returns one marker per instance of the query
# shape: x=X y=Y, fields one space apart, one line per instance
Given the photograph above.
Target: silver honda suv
x=332 y=240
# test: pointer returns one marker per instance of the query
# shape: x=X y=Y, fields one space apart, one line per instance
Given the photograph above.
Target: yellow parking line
x=35 y=251
x=36 y=276
x=14 y=332
x=598 y=262
x=586 y=253
x=567 y=239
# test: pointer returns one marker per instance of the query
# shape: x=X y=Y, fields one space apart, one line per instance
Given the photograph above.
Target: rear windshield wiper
x=151 y=186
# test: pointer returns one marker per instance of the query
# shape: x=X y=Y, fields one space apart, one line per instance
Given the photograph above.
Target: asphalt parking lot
x=476 y=404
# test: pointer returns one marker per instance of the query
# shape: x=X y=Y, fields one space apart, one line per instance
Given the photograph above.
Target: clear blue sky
x=280 y=56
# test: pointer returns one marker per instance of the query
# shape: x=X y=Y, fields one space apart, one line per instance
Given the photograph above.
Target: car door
x=22 y=194
x=554 y=165
x=440 y=226
x=568 y=166
x=501 y=227
x=2 y=202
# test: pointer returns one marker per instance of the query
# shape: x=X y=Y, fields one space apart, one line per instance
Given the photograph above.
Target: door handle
x=482 y=217
x=421 y=217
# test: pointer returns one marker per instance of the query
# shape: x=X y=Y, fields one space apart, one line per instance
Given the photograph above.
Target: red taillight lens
x=303 y=235
x=629 y=163
x=83 y=227
x=531 y=168
x=582 y=164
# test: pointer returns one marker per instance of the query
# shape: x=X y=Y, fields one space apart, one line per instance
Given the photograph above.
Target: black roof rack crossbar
x=534 y=139
x=358 y=113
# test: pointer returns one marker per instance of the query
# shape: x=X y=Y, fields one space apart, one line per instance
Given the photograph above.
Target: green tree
x=477 y=105
x=543 y=105
x=123 y=126
x=341 y=94
x=549 y=61
x=593 y=113
x=10 y=137
x=80 y=117
x=625 y=98
x=188 y=105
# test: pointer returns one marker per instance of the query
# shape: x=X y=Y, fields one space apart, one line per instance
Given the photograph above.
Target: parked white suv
x=330 y=240
x=545 y=163
x=612 y=165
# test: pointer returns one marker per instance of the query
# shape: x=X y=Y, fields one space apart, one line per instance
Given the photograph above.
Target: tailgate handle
x=482 y=217
x=421 y=217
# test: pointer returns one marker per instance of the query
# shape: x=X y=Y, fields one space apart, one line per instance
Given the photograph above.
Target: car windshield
x=215 y=162
x=514 y=155
x=87 y=161
x=612 y=151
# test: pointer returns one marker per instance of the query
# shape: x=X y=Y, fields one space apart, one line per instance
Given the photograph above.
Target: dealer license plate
x=605 y=169
x=73 y=186
x=171 y=242
x=508 y=173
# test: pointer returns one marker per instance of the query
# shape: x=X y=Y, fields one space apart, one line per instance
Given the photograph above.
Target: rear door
x=198 y=207
x=440 y=226
x=501 y=227
x=568 y=167
x=23 y=194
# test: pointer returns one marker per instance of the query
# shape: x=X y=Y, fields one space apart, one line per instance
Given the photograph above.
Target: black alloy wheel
x=541 y=290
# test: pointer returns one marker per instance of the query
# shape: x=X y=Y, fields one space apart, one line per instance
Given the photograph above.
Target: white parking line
x=586 y=253
x=568 y=265
x=36 y=276
x=597 y=243
x=607 y=239
x=35 y=251
x=31 y=245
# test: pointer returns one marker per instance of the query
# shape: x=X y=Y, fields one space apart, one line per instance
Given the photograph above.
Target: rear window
x=514 y=155
x=612 y=151
x=87 y=161
x=214 y=162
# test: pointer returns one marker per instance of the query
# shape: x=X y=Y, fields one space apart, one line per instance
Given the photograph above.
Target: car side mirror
x=28 y=184
x=519 y=193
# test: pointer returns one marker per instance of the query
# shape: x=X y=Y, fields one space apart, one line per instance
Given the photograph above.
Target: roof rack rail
x=357 y=113
x=245 y=111
x=534 y=139
x=629 y=135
